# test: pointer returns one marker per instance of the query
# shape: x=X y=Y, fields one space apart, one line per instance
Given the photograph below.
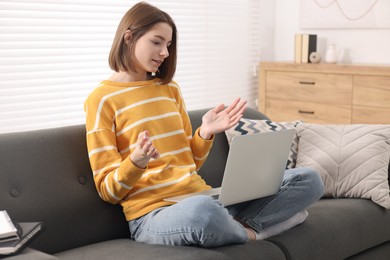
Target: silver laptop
x=254 y=169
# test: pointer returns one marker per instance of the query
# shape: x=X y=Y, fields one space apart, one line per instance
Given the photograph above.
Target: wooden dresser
x=325 y=93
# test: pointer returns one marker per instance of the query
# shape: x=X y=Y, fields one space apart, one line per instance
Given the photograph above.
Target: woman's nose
x=164 y=52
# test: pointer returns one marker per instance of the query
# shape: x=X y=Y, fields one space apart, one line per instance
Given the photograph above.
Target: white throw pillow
x=251 y=126
x=352 y=160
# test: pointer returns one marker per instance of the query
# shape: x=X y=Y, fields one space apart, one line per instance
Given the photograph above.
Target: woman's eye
x=156 y=42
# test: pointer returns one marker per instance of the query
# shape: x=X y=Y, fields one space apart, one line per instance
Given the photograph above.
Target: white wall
x=267 y=29
x=363 y=45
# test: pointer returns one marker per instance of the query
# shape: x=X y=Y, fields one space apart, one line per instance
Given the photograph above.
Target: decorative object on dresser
x=304 y=46
x=315 y=57
x=325 y=93
x=331 y=55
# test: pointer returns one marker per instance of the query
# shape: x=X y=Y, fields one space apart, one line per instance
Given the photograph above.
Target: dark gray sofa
x=45 y=176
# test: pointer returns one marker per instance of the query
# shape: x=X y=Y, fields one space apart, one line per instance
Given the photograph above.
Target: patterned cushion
x=249 y=126
x=352 y=160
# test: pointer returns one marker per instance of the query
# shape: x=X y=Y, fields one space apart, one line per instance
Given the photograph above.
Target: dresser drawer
x=311 y=87
x=309 y=112
x=373 y=91
x=370 y=115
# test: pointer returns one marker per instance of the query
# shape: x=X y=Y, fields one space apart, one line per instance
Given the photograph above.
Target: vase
x=331 y=54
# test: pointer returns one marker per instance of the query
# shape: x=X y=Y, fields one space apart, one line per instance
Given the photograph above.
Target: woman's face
x=152 y=48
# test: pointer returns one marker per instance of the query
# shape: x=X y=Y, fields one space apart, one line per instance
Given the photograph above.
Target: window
x=53 y=53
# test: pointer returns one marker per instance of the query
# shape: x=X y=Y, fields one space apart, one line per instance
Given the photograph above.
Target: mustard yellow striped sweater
x=115 y=114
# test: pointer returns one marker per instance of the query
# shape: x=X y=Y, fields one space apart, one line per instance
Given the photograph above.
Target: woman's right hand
x=144 y=150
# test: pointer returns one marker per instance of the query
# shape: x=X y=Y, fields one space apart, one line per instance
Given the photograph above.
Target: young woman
x=141 y=148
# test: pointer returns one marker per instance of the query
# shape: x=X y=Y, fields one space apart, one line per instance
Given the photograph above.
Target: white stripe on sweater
x=173 y=152
x=147 y=173
x=181 y=95
x=123 y=185
x=152 y=138
x=201 y=158
x=101 y=149
x=176 y=151
x=146 y=120
x=94 y=131
x=162 y=185
x=114 y=165
x=146 y=101
x=110 y=191
x=103 y=100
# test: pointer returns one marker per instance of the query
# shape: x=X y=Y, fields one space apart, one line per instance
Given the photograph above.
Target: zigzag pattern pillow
x=352 y=160
x=250 y=126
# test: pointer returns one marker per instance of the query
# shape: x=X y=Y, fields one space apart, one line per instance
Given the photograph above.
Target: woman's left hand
x=221 y=119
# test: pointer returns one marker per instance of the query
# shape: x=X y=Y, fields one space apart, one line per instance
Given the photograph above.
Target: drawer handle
x=306 y=112
x=307 y=82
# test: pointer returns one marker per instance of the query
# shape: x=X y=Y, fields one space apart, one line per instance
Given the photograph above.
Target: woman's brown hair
x=140 y=19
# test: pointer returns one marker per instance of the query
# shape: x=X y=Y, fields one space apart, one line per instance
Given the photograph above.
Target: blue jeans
x=204 y=222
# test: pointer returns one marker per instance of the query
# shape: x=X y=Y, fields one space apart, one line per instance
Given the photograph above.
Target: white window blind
x=53 y=53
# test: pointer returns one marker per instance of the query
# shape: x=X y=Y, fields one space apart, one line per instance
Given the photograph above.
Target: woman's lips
x=158 y=62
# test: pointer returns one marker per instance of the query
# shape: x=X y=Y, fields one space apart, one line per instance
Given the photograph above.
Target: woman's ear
x=127 y=37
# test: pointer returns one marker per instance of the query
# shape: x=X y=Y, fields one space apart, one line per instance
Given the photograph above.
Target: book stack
x=15 y=236
x=304 y=45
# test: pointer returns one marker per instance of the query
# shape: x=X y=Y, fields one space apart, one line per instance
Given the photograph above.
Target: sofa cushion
x=250 y=126
x=336 y=229
x=128 y=249
x=31 y=254
x=352 y=160
x=377 y=253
